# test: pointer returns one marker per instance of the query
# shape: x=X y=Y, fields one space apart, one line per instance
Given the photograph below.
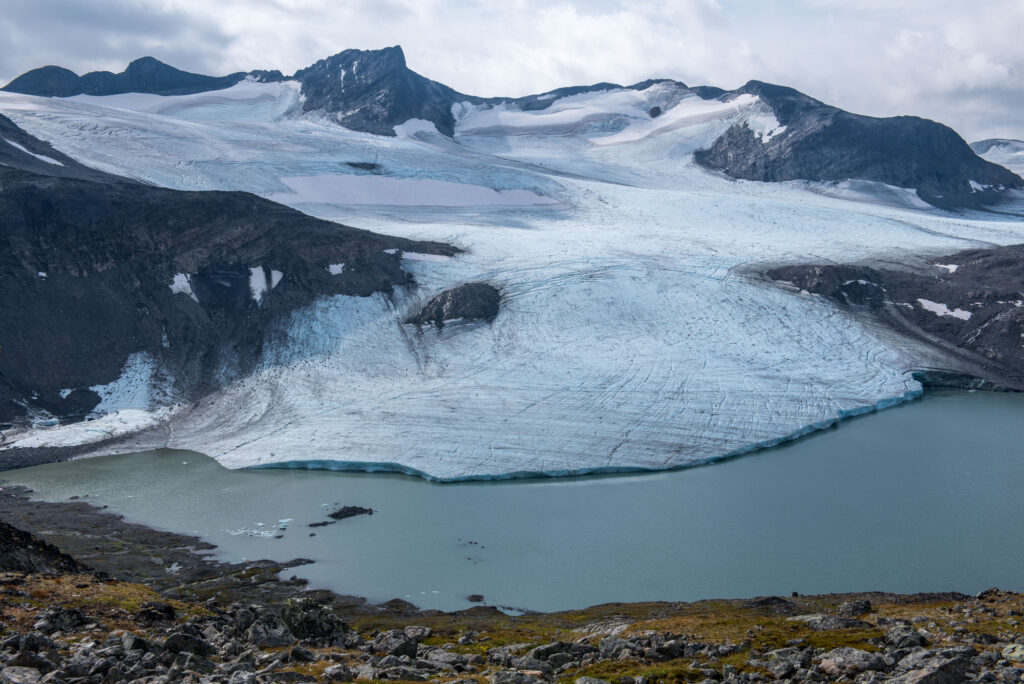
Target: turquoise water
x=928 y=496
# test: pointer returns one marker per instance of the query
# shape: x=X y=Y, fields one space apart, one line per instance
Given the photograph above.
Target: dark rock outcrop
x=22 y=552
x=374 y=91
x=824 y=143
x=144 y=75
x=969 y=306
x=468 y=302
x=96 y=268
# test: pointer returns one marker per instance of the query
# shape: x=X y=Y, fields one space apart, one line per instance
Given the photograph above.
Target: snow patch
x=949 y=267
x=978 y=187
x=42 y=274
x=412 y=127
x=65 y=393
x=275 y=278
x=391 y=251
x=943 y=310
x=257 y=283
x=41 y=157
x=765 y=125
x=182 y=284
x=336 y=269
x=419 y=256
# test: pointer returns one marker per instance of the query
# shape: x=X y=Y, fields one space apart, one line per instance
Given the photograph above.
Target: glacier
x=635 y=331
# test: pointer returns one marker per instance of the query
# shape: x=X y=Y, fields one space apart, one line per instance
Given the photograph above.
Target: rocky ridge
x=969 y=306
x=374 y=91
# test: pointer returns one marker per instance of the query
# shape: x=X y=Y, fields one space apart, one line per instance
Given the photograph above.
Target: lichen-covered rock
x=847 y=661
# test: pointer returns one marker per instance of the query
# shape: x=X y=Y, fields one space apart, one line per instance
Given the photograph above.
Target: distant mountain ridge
x=373 y=91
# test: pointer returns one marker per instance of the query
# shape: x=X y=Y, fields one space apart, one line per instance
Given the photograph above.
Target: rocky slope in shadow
x=97 y=268
x=969 y=306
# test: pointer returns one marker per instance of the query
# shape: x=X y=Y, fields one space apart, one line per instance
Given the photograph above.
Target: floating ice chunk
x=943 y=310
x=949 y=267
x=41 y=157
x=336 y=269
x=257 y=283
x=275 y=278
x=182 y=284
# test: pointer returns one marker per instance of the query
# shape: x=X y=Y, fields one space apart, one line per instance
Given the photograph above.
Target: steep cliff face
x=97 y=268
x=817 y=142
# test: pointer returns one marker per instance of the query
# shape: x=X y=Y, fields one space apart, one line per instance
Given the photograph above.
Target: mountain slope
x=99 y=269
x=374 y=91
x=144 y=75
x=817 y=142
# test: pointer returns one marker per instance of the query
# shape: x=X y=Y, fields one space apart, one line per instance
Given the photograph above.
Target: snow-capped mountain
x=609 y=309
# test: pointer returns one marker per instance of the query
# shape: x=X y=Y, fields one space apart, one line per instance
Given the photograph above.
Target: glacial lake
x=928 y=496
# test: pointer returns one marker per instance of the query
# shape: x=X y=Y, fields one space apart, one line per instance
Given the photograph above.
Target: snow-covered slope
x=632 y=332
x=1008 y=153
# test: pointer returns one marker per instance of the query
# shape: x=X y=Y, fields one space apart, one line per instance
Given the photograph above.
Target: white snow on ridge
x=41 y=157
x=182 y=284
x=629 y=335
x=943 y=310
x=949 y=267
x=257 y=283
x=336 y=269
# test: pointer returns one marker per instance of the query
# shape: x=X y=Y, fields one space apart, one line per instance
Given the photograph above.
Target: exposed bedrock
x=823 y=143
x=968 y=305
x=468 y=302
x=97 y=268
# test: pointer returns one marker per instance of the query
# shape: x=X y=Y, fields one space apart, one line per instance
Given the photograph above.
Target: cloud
x=943 y=59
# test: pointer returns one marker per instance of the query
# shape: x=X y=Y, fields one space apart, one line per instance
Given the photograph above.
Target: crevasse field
x=634 y=331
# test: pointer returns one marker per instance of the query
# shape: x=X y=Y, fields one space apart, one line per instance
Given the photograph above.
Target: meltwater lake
x=928 y=496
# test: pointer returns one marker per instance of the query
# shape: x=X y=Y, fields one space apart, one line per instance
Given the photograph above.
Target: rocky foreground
x=62 y=621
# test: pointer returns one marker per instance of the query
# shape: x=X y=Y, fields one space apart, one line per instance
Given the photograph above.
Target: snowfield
x=634 y=332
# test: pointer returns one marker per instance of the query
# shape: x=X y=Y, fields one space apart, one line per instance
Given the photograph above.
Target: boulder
x=60 y=620
x=902 y=636
x=825 y=623
x=268 y=631
x=854 y=608
x=395 y=642
x=309 y=619
x=180 y=642
x=847 y=661
x=20 y=675
x=417 y=633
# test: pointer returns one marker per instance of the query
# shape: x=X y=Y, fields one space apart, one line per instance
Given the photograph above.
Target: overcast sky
x=958 y=62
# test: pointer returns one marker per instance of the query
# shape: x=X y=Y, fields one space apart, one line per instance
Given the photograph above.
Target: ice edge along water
x=399 y=469
x=623 y=320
